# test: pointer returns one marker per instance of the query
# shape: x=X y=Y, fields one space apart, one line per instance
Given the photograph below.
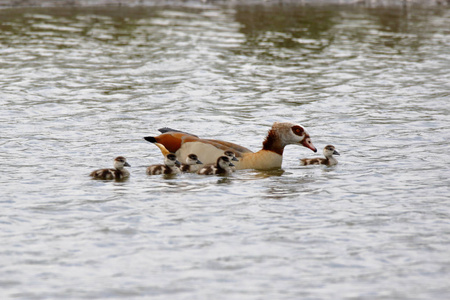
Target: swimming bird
x=192 y=164
x=329 y=160
x=269 y=157
x=222 y=166
x=171 y=166
x=231 y=155
x=119 y=172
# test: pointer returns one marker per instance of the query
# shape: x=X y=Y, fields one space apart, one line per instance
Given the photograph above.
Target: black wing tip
x=168 y=129
x=150 y=139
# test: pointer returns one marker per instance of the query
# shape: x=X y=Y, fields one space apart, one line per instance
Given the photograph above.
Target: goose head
x=292 y=134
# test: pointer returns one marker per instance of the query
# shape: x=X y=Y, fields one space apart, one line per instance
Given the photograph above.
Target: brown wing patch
x=167 y=170
x=103 y=174
x=206 y=170
x=172 y=140
x=313 y=161
x=227 y=146
x=154 y=170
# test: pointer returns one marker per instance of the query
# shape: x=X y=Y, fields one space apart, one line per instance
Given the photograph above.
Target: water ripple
x=81 y=86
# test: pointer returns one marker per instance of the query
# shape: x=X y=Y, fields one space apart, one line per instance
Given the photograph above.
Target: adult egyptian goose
x=269 y=157
x=171 y=166
x=222 y=167
x=119 y=172
x=329 y=160
x=192 y=164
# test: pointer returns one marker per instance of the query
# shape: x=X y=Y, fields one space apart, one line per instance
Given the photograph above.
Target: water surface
x=80 y=86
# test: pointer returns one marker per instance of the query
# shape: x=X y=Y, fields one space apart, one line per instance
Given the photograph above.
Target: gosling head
x=231 y=155
x=120 y=162
x=224 y=162
x=192 y=159
x=171 y=160
x=329 y=151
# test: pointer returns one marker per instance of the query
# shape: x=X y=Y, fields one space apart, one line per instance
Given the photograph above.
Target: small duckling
x=171 y=166
x=192 y=164
x=329 y=160
x=118 y=173
x=222 y=167
x=231 y=155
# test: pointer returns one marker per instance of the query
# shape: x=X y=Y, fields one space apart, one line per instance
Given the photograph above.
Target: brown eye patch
x=298 y=130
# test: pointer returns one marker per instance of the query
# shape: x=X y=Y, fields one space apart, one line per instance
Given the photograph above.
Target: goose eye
x=297 y=130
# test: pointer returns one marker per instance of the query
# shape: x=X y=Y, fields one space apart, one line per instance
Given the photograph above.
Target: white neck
x=332 y=160
x=125 y=172
x=175 y=169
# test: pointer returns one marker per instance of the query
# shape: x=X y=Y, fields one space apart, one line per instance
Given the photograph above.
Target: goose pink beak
x=308 y=144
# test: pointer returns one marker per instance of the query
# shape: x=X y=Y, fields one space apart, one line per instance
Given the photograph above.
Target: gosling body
x=222 y=167
x=329 y=159
x=118 y=172
x=192 y=164
x=171 y=166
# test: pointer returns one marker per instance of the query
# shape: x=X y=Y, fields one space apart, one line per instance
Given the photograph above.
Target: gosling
x=171 y=166
x=222 y=167
x=329 y=160
x=231 y=155
x=118 y=173
x=192 y=164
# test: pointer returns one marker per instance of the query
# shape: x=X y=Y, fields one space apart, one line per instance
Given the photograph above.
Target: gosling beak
x=126 y=164
x=231 y=165
x=234 y=158
x=335 y=152
x=199 y=162
x=177 y=163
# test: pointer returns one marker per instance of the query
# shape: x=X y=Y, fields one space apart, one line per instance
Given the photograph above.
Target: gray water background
x=79 y=86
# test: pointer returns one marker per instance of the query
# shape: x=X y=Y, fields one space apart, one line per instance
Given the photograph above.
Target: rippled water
x=80 y=86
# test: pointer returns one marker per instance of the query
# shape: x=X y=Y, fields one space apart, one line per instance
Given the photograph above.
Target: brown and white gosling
x=192 y=164
x=232 y=156
x=222 y=167
x=171 y=166
x=329 y=160
x=119 y=172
